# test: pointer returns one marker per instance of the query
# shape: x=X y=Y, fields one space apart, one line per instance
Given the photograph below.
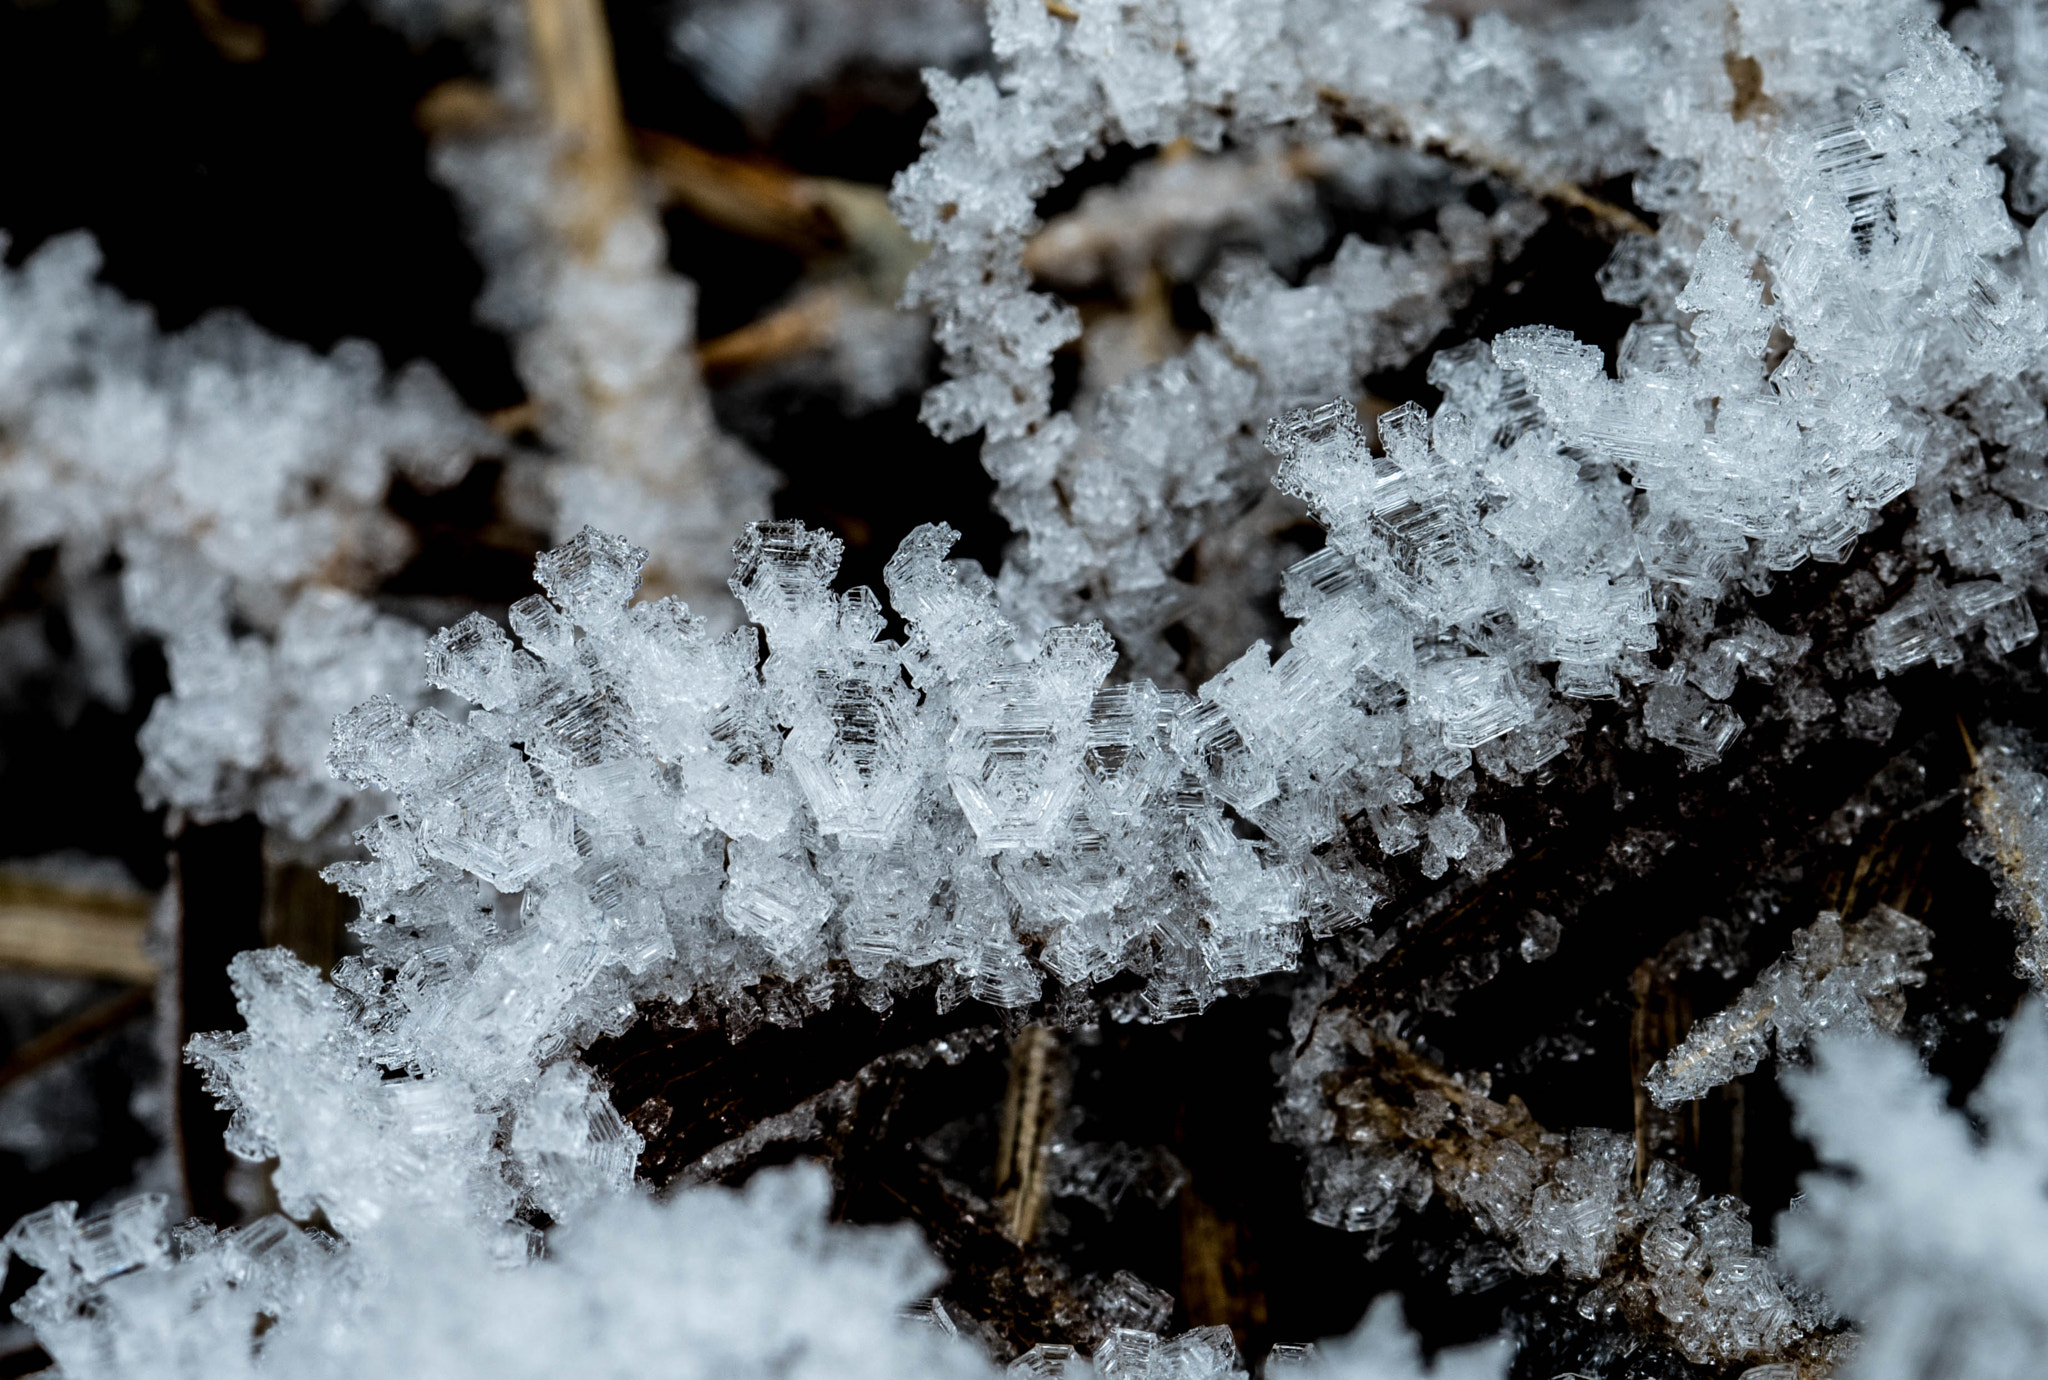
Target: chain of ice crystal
x=1747 y=430
x=1849 y=979
x=1070 y=84
x=1110 y=494
x=678 y=814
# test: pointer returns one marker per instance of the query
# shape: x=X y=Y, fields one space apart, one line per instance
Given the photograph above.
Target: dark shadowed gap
x=293 y=188
x=220 y=898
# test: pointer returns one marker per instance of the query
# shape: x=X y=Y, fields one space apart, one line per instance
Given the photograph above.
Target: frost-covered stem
x=1841 y=977
x=572 y=57
x=2006 y=799
x=1661 y=1258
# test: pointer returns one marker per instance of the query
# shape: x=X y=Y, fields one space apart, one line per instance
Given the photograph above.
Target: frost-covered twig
x=2011 y=805
x=1846 y=978
x=1386 y=1129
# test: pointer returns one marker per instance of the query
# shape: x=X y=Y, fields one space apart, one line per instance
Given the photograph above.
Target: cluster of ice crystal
x=1386 y=1130
x=1154 y=453
x=711 y=1283
x=266 y=460
x=313 y=1082
x=1931 y=1237
x=1110 y=493
x=1926 y=624
x=249 y=719
x=1841 y=978
x=1073 y=83
x=1206 y=1353
x=1862 y=191
x=191 y=482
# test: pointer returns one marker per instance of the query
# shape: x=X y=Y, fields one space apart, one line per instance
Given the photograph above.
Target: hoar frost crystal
x=1029 y=794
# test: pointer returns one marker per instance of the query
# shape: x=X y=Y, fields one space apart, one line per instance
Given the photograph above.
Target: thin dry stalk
x=748 y=196
x=1030 y=1107
x=572 y=55
x=46 y=927
x=805 y=324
